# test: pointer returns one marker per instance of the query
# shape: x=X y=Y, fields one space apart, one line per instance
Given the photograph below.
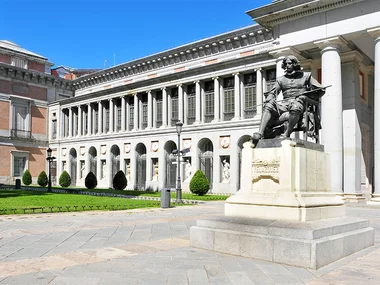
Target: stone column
x=122 y=114
x=136 y=112
x=352 y=134
x=89 y=119
x=180 y=102
x=259 y=92
x=216 y=99
x=80 y=120
x=111 y=116
x=197 y=102
x=237 y=93
x=164 y=108
x=150 y=109
x=331 y=111
x=100 y=118
x=70 y=122
x=375 y=33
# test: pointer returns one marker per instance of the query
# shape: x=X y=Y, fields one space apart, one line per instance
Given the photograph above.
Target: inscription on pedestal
x=266 y=169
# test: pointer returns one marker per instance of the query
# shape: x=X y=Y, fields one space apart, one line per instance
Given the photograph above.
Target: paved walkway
x=152 y=247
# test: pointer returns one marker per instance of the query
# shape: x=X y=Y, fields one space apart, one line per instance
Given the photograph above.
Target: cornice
x=32 y=76
x=205 y=48
x=25 y=55
x=283 y=11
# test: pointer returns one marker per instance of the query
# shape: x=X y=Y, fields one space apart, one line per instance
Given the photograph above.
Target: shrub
x=27 y=178
x=90 y=181
x=65 y=179
x=42 y=179
x=119 y=181
x=199 y=184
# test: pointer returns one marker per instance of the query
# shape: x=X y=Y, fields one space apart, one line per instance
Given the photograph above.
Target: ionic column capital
x=334 y=43
x=374 y=33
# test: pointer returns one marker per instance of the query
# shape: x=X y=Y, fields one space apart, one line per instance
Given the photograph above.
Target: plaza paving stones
x=152 y=247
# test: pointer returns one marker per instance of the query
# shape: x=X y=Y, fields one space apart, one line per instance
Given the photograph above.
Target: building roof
x=8 y=45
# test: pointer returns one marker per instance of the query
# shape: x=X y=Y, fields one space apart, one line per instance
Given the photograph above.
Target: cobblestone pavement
x=152 y=247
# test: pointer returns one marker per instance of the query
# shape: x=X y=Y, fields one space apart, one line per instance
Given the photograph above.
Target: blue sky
x=85 y=33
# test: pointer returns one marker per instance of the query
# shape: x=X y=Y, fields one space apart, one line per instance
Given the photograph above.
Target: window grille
x=19 y=164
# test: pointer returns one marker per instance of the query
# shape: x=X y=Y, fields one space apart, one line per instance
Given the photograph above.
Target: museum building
x=123 y=117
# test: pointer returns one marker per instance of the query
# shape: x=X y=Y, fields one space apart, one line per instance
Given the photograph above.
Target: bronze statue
x=301 y=92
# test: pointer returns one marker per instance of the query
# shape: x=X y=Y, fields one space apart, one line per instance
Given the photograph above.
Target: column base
x=235 y=119
x=215 y=121
x=163 y=126
x=375 y=200
x=354 y=198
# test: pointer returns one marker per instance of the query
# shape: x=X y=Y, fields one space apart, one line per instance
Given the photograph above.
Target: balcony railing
x=21 y=134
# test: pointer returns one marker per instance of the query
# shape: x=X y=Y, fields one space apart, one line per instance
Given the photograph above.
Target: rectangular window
x=107 y=111
x=84 y=122
x=64 y=166
x=131 y=116
x=190 y=104
x=144 y=115
x=158 y=108
x=229 y=99
x=96 y=120
x=361 y=85
x=209 y=101
x=19 y=62
x=118 y=112
x=249 y=95
x=21 y=128
x=19 y=166
x=174 y=105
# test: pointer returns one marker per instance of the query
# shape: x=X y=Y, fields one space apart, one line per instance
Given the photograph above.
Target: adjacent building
x=26 y=88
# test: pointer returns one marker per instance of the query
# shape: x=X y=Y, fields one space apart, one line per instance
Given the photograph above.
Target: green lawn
x=14 y=201
x=187 y=196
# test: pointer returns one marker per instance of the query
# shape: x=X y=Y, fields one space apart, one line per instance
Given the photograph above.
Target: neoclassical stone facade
x=124 y=117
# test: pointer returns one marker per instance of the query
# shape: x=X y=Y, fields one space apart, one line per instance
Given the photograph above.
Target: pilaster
x=216 y=99
x=150 y=109
x=164 y=108
x=122 y=127
x=237 y=98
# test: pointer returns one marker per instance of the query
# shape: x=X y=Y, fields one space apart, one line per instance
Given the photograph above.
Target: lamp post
x=178 y=127
x=49 y=158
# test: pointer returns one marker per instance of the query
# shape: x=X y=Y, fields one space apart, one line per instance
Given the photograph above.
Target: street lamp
x=178 y=127
x=49 y=158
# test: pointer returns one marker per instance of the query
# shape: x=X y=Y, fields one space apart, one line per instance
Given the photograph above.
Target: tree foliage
x=65 y=179
x=120 y=181
x=27 y=178
x=199 y=184
x=90 y=181
x=42 y=179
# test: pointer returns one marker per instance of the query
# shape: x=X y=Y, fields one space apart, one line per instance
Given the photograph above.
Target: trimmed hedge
x=119 y=181
x=90 y=181
x=199 y=184
x=42 y=179
x=65 y=179
x=27 y=178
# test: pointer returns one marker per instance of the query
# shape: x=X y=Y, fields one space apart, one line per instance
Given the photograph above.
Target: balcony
x=20 y=134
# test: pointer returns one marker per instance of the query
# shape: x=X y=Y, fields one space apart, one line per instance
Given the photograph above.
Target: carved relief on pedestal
x=266 y=169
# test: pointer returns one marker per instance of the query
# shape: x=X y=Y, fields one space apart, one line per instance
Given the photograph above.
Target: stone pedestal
x=285 y=211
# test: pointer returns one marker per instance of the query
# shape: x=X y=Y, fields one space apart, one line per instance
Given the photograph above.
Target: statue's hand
x=269 y=98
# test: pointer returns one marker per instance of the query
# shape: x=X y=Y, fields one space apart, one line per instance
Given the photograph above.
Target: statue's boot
x=265 y=118
x=293 y=120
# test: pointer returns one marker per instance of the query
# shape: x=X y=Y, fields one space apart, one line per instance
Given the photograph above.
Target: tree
x=65 y=179
x=199 y=184
x=90 y=181
x=27 y=178
x=42 y=179
x=120 y=181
